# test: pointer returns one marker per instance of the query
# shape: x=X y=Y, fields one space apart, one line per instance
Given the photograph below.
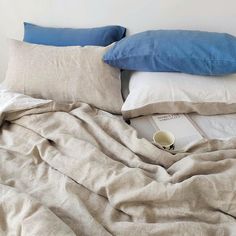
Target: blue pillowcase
x=101 y=36
x=193 y=52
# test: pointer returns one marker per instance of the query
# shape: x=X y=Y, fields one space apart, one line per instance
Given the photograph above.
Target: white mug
x=165 y=139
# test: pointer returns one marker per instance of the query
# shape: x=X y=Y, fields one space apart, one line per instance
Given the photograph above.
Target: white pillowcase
x=64 y=74
x=161 y=92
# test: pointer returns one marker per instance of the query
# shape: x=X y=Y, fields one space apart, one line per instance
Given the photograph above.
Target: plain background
x=136 y=15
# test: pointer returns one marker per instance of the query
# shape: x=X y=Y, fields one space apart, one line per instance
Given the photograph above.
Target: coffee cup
x=165 y=139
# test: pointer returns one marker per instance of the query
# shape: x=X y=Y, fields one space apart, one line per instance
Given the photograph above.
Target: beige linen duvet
x=66 y=171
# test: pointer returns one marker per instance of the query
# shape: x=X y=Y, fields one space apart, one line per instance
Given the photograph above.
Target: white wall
x=136 y=15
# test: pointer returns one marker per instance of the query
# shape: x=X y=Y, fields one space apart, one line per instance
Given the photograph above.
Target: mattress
x=213 y=127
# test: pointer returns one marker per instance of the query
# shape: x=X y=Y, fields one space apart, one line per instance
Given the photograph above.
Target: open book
x=181 y=126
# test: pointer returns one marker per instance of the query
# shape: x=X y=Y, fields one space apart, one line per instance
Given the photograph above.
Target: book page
x=186 y=134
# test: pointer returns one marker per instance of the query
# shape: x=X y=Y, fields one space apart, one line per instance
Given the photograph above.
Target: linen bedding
x=82 y=171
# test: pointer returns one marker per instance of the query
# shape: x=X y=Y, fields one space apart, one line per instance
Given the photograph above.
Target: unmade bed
x=82 y=171
x=70 y=162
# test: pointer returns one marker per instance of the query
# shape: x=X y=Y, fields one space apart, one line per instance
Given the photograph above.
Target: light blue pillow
x=101 y=36
x=193 y=52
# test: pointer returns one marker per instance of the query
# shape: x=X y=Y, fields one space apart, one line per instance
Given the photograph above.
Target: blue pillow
x=193 y=52
x=101 y=36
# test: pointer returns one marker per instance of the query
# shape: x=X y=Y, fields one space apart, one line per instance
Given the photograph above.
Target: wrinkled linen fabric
x=81 y=171
x=64 y=74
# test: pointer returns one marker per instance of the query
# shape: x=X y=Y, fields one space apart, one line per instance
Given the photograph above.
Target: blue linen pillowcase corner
x=99 y=36
x=192 y=52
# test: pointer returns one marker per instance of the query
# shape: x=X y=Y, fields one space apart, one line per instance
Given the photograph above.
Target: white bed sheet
x=214 y=127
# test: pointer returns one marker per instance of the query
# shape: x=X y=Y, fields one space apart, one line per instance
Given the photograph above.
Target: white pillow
x=155 y=92
x=64 y=74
